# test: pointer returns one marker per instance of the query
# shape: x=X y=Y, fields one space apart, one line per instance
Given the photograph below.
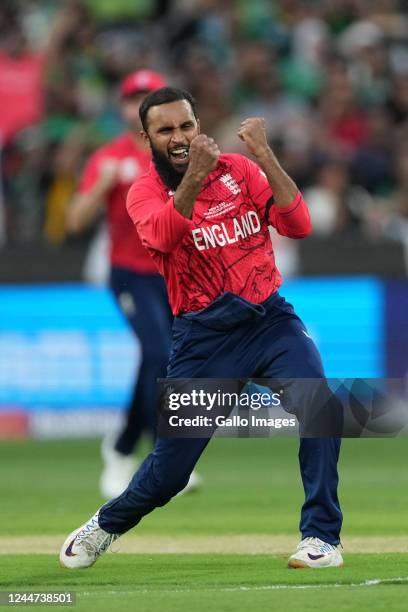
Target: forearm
x=289 y=215
x=187 y=192
x=85 y=209
x=159 y=224
x=283 y=187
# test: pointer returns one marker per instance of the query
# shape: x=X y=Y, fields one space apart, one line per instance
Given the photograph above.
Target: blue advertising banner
x=345 y=318
x=66 y=349
x=64 y=346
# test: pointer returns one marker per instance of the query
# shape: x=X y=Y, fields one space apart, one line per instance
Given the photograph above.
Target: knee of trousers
x=317 y=409
x=166 y=491
x=159 y=489
x=301 y=394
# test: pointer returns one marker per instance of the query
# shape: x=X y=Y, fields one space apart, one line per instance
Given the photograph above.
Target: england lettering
x=214 y=236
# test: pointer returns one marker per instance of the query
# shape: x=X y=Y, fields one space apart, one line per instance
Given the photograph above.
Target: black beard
x=170 y=177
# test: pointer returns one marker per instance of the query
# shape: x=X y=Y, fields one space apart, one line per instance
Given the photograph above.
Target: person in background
x=134 y=279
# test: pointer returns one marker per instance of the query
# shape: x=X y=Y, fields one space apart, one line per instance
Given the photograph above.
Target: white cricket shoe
x=84 y=545
x=313 y=552
x=118 y=469
x=194 y=484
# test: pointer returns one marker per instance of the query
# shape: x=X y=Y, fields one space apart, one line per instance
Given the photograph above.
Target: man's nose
x=177 y=137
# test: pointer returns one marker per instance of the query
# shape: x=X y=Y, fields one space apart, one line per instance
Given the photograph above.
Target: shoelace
x=318 y=545
x=100 y=545
x=96 y=540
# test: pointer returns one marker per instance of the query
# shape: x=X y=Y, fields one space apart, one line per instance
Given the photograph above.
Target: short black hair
x=165 y=95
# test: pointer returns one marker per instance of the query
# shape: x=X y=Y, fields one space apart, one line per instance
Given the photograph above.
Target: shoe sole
x=65 y=567
x=297 y=564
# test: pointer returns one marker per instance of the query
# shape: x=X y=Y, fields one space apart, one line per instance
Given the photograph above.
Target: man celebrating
x=134 y=280
x=204 y=219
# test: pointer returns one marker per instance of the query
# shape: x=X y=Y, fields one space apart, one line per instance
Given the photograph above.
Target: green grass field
x=252 y=492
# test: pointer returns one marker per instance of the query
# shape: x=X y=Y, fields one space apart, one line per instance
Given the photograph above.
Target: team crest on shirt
x=230 y=183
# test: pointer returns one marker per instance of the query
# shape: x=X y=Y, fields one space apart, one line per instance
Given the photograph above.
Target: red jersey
x=21 y=92
x=125 y=246
x=226 y=246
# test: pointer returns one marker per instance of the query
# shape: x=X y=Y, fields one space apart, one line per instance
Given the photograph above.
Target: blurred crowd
x=329 y=76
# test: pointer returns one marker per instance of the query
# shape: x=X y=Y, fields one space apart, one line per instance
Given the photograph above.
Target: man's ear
x=145 y=138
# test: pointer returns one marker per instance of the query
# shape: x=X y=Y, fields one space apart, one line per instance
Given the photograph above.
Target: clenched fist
x=204 y=154
x=253 y=132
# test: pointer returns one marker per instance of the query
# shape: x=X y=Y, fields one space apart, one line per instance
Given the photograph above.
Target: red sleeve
x=160 y=226
x=256 y=182
x=292 y=221
x=90 y=174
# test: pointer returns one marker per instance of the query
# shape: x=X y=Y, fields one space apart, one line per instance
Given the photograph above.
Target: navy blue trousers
x=233 y=338
x=143 y=300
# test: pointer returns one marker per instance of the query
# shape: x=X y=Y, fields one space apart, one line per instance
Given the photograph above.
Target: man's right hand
x=204 y=154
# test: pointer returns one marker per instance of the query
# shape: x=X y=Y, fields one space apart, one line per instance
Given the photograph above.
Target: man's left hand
x=253 y=132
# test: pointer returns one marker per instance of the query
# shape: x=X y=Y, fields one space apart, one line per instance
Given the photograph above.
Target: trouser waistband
x=230 y=310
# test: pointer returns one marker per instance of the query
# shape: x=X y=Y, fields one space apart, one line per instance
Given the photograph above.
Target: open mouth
x=179 y=154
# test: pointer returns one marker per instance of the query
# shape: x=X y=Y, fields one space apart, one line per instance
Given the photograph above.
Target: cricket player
x=135 y=281
x=204 y=217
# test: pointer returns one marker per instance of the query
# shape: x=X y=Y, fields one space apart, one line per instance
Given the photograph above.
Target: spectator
x=372 y=164
x=336 y=205
x=330 y=78
x=398 y=99
x=21 y=73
